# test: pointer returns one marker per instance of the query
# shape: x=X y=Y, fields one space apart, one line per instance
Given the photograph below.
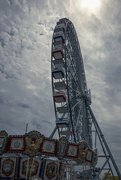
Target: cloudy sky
x=26 y=28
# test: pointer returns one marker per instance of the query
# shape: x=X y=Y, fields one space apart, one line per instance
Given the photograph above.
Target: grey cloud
x=24 y=106
x=26 y=29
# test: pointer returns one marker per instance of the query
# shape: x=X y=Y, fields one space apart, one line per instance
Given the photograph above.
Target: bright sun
x=92 y=5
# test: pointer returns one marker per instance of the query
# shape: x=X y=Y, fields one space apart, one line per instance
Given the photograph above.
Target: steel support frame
x=104 y=145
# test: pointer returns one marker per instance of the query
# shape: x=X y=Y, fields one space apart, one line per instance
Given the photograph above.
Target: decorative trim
x=51 y=170
x=33 y=141
x=82 y=150
x=95 y=157
x=35 y=144
x=62 y=147
x=49 y=147
x=29 y=167
x=16 y=144
x=89 y=156
x=3 y=141
x=8 y=167
x=72 y=151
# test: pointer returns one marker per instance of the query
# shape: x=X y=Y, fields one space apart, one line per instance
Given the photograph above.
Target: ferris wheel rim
x=68 y=22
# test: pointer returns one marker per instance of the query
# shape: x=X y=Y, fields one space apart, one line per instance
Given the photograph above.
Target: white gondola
x=58 y=73
x=62 y=122
x=61 y=24
x=62 y=109
x=60 y=85
x=59 y=97
x=59 y=33
x=66 y=133
x=58 y=62
x=59 y=30
x=60 y=27
x=58 y=44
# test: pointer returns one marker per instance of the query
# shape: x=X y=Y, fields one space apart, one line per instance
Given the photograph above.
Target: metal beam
x=101 y=169
x=52 y=134
x=104 y=141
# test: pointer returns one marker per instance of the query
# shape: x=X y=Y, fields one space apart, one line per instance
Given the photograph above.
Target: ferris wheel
x=69 y=84
x=71 y=97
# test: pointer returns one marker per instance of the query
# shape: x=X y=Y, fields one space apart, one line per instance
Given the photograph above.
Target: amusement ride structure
x=72 y=156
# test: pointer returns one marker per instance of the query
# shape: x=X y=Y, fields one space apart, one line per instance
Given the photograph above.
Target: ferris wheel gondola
x=68 y=82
